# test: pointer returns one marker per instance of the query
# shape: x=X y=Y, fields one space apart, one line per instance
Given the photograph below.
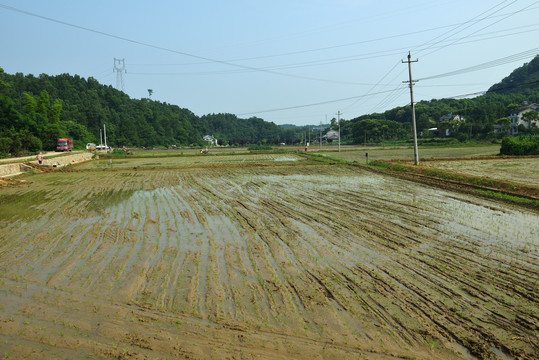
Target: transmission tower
x=119 y=69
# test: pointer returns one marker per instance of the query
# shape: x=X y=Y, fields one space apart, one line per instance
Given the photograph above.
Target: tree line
x=35 y=111
x=481 y=114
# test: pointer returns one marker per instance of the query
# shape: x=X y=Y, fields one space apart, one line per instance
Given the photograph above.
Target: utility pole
x=119 y=69
x=339 y=122
x=411 y=82
x=320 y=135
x=105 y=134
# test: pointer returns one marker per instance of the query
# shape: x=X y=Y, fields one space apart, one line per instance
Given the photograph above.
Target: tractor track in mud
x=513 y=189
x=273 y=262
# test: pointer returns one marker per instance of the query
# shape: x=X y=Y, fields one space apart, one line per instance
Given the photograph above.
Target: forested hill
x=35 y=111
x=521 y=79
x=482 y=114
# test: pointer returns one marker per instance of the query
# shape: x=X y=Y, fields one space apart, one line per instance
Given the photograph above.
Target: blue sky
x=289 y=62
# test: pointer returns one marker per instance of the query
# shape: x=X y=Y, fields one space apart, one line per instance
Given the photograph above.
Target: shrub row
x=520 y=145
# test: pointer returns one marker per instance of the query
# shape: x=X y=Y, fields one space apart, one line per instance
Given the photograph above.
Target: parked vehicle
x=90 y=146
x=64 y=144
x=103 y=147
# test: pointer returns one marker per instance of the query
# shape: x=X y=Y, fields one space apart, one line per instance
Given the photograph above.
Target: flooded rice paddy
x=403 y=153
x=191 y=161
x=270 y=262
x=518 y=170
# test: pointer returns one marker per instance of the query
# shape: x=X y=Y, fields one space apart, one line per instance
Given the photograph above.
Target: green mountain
x=481 y=113
x=521 y=79
x=35 y=111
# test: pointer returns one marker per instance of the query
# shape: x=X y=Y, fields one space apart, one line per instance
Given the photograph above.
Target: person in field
x=40 y=158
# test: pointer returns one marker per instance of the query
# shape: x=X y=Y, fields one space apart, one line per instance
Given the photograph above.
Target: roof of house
x=527 y=107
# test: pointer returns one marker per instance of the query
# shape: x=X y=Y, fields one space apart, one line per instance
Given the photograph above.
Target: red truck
x=64 y=144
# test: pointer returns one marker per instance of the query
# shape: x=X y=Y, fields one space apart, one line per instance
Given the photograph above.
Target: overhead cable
x=314 y=104
x=228 y=63
x=502 y=61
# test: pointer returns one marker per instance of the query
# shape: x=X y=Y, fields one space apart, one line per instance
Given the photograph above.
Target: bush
x=436 y=141
x=463 y=138
x=118 y=153
x=33 y=143
x=5 y=145
x=521 y=145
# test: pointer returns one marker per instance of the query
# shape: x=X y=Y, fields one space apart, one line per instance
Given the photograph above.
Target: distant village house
x=331 y=135
x=517 y=118
x=210 y=139
x=447 y=124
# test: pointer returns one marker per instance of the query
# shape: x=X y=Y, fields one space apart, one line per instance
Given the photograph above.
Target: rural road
x=46 y=154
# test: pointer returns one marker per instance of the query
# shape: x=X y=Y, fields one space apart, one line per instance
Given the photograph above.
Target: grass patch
x=324 y=159
x=507 y=197
x=16 y=206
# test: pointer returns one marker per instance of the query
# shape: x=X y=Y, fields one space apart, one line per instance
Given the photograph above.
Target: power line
x=382 y=92
x=313 y=104
x=502 y=61
x=357 y=57
x=375 y=86
x=239 y=66
x=384 y=103
x=433 y=42
x=483 y=28
x=228 y=63
x=485 y=12
x=448 y=32
x=340 y=45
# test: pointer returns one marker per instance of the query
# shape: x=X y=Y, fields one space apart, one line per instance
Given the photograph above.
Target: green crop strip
x=516 y=199
x=21 y=206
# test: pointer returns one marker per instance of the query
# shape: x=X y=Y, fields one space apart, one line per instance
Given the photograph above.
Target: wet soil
x=523 y=170
x=478 y=174
x=269 y=262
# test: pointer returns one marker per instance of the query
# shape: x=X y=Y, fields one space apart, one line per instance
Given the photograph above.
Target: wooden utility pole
x=411 y=82
x=365 y=140
x=320 y=135
x=339 y=122
x=105 y=134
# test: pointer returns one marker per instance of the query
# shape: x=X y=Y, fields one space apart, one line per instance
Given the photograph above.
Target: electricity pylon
x=119 y=69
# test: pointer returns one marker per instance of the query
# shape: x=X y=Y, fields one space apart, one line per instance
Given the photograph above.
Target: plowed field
x=517 y=170
x=267 y=262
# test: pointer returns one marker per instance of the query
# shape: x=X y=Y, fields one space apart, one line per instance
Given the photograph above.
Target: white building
x=516 y=118
x=331 y=135
x=210 y=139
x=448 y=123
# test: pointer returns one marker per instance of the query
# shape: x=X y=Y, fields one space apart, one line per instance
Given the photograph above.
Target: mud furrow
x=332 y=254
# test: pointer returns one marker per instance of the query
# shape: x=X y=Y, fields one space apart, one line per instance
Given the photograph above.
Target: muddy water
x=190 y=161
x=284 y=262
x=518 y=170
